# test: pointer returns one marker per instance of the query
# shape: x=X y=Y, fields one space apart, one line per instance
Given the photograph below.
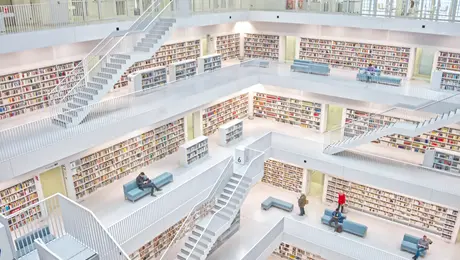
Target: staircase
x=207 y=231
x=406 y=129
x=139 y=43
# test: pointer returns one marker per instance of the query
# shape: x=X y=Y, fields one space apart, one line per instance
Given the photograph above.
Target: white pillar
x=6 y=243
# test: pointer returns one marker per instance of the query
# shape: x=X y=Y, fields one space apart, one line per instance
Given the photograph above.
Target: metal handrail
x=130 y=30
x=211 y=194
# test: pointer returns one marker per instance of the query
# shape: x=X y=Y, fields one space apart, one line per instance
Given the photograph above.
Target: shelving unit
x=261 y=46
x=216 y=115
x=154 y=248
x=30 y=90
x=18 y=197
x=448 y=61
x=443 y=160
x=231 y=132
x=166 y=55
x=391 y=60
x=283 y=175
x=182 y=70
x=194 y=150
x=228 y=46
x=288 y=251
x=209 y=63
x=358 y=122
x=101 y=168
x=288 y=110
x=148 y=79
x=436 y=219
x=446 y=80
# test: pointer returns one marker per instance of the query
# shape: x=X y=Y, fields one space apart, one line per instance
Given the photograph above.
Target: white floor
x=255 y=222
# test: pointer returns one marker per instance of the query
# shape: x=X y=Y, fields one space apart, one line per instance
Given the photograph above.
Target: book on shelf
x=288 y=110
x=194 y=150
x=430 y=217
x=391 y=60
x=18 y=197
x=35 y=89
x=216 y=115
x=148 y=79
x=231 y=132
x=358 y=122
x=182 y=70
x=448 y=61
x=261 y=46
x=288 y=251
x=442 y=159
x=166 y=55
x=446 y=80
x=105 y=166
x=209 y=63
x=283 y=175
x=228 y=46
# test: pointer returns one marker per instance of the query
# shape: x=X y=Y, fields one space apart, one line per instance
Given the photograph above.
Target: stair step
x=445 y=116
x=233 y=193
x=193 y=238
x=121 y=56
x=113 y=65
x=99 y=80
x=95 y=85
x=197 y=236
x=59 y=122
x=85 y=95
x=105 y=75
x=72 y=105
x=145 y=45
x=70 y=112
x=110 y=70
x=200 y=230
x=157 y=31
x=80 y=100
x=153 y=36
x=183 y=256
x=65 y=118
x=224 y=209
x=148 y=40
x=197 y=248
x=117 y=61
x=143 y=49
x=223 y=202
x=91 y=91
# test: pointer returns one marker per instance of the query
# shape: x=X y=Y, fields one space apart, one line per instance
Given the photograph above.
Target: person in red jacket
x=341 y=201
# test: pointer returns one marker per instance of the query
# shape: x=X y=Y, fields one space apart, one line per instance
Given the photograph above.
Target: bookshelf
x=446 y=80
x=358 y=122
x=283 y=175
x=148 y=79
x=153 y=249
x=182 y=70
x=448 y=61
x=18 y=197
x=105 y=166
x=228 y=46
x=261 y=46
x=443 y=160
x=288 y=110
x=391 y=60
x=30 y=90
x=193 y=150
x=216 y=115
x=433 y=218
x=231 y=132
x=288 y=251
x=209 y=63
x=166 y=55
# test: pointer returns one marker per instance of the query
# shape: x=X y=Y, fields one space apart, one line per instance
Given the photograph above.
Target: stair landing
x=215 y=222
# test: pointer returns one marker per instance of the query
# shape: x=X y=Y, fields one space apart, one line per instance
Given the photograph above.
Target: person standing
x=144 y=182
x=422 y=245
x=302 y=202
x=341 y=201
x=336 y=215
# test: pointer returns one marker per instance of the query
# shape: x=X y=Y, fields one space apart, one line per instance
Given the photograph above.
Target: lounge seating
x=310 y=67
x=377 y=78
x=133 y=193
x=277 y=203
x=25 y=244
x=409 y=244
x=347 y=225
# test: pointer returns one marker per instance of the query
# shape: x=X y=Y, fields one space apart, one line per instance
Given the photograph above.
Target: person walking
x=302 y=202
x=144 y=182
x=336 y=216
x=341 y=201
x=422 y=245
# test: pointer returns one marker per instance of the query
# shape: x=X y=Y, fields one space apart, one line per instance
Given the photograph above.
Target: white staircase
x=139 y=43
x=406 y=129
x=207 y=231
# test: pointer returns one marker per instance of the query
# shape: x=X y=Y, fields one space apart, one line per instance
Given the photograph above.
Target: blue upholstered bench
x=377 y=78
x=307 y=66
x=25 y=244
x=328 y=215
x=133 y=193
x=307 y=62
x=347 y=225
x=409 y=244
x=277 y=203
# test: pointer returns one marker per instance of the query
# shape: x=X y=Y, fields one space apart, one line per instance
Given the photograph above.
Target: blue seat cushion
x=354 y=228
x=266 y=204
x=273 y=202
x=130 y=186
x=134 y=193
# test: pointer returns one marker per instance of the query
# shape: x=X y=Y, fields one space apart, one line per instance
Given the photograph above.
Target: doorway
x=315 y=183
x=290 y=49
x=424 y=58
x=204 y=46
x=190 y=128
x=52 y=182
x=334 y=117
x=193 y=123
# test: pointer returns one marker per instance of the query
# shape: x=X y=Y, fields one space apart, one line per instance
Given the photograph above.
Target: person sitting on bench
x=143 y=182
x=336 y=216
x=423 y=245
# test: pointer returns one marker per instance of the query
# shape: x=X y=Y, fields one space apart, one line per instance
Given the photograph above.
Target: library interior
x=230 y=129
